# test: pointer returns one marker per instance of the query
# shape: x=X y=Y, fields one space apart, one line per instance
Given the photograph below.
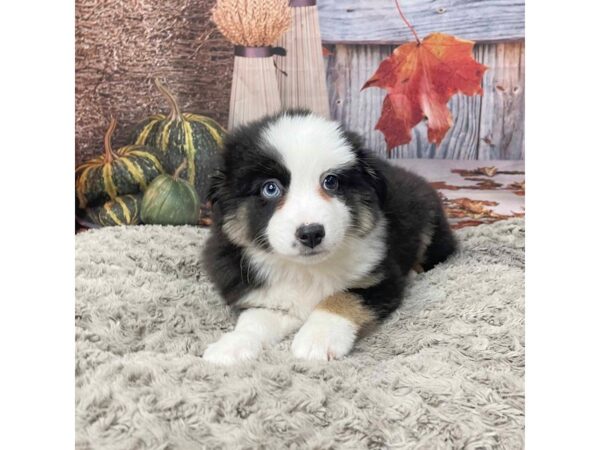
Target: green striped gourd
x=123 y=210
x=170 y=200
x=129 y=170
x=183 y=137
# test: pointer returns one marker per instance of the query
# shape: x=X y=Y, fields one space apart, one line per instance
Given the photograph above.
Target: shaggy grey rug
x=445 y=371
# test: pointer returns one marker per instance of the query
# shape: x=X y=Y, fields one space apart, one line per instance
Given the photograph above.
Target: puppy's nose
x=310 y=235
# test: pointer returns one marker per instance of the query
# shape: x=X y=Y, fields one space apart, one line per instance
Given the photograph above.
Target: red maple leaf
x=420 y=77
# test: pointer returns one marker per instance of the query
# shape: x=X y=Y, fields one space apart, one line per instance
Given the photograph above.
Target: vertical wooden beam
x=347 y=70
x=503 y=105
x=301 y=71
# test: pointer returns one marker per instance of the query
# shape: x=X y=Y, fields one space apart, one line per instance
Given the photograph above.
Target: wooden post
x=254 y=91
x=302 y=76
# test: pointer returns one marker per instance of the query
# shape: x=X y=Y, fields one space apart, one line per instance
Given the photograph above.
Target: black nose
x=310 y=235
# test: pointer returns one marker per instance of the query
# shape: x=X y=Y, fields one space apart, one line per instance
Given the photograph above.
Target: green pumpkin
x=123 y=210
x=129 y=170
x=170 y=200
x=181 y=137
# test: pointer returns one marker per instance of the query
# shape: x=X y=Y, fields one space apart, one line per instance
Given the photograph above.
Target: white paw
x=232 y=348
x=324 y=336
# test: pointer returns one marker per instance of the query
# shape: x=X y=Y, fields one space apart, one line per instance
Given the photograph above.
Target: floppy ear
x=369 y=165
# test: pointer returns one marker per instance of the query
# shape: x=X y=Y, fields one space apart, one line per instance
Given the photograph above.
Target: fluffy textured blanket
x=445 y=371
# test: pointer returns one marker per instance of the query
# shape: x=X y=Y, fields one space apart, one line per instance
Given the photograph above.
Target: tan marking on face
x=365 y=220
x=348 y=306
x=324 y=194
x=235 y=226
x=418 y=268
x=280 y=203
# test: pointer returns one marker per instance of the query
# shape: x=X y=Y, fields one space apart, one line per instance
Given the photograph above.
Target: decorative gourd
x=170 y=200
x=129 y=170
x=123 y=210
x=183 y=137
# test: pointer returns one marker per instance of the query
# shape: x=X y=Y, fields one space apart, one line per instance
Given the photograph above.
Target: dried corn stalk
x=253 y=26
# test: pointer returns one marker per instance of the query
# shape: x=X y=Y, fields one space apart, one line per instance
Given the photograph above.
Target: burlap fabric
x=122 y=45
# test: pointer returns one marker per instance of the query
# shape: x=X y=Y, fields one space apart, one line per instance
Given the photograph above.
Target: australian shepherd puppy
x=315 y=235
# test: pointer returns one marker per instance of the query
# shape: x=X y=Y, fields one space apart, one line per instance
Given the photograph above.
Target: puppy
x=312 y=233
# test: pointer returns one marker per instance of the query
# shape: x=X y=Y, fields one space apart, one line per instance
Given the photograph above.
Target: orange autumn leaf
x=419 y=79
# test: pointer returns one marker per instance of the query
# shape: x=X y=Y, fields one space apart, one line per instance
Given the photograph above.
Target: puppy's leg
x=255 y=328
x=331 y=329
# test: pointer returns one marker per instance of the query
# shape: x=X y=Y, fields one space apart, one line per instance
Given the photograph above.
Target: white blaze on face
x=310 y=148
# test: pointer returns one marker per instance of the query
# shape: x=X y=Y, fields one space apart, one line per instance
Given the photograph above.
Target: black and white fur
x=284 y=177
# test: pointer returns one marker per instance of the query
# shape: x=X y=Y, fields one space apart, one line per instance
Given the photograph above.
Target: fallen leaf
x=443 y=185
x=511 y=172
x=419 y=79
x=458 y=208
x=466 y=223
x=518 y=187
x=487 y=171
x=476 y=206
x=474 y=212
x=482 y=184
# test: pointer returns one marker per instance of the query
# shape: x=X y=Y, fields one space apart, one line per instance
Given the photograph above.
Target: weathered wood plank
x=378 y=22
x=348 y=69
x=502 y=129
x=301 y=72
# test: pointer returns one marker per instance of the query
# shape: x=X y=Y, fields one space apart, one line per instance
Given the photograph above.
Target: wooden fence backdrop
x=122 y=45
x=361 y=33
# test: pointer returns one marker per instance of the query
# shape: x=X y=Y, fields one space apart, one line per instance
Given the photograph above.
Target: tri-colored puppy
x=314 y=234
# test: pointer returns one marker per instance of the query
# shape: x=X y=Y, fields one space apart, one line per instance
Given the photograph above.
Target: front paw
x=232 y=348
x=324 y=336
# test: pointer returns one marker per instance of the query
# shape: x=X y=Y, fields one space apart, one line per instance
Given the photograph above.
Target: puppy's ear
x=354 y=139
x=369 y=164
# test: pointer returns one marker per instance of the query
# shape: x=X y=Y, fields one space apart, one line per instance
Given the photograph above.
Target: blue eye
x=331 y=183
x=271 y=189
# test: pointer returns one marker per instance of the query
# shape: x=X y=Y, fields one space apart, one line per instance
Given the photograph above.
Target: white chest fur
x=297 y=287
